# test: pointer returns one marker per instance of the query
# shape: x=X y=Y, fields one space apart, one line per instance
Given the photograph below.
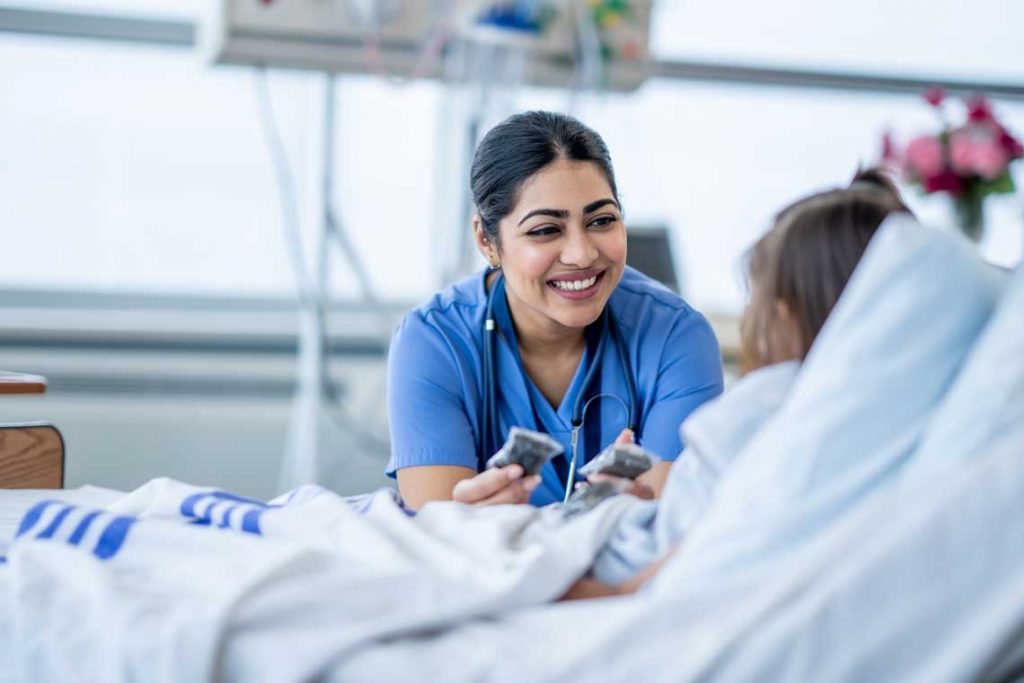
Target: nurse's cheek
x=498 y=486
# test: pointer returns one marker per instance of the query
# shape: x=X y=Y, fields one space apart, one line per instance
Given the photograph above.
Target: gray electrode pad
x=526 y=448
x=620 y=460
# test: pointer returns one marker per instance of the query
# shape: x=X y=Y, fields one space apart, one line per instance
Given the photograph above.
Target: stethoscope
x=490 y=432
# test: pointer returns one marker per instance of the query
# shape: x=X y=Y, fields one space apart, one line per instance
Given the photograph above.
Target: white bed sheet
x=175 y=582
x=14 y=503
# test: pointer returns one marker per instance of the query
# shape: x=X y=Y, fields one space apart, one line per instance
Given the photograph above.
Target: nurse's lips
x=579 y=285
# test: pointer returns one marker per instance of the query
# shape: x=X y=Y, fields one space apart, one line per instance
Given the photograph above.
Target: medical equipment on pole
x=408 y=38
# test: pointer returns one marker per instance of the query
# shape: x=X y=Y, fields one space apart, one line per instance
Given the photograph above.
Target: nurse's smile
x=577 y=286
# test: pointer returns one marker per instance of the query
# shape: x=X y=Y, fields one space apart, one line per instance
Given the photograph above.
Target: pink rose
x=976 y=149
x=924 y=156
x=934 y=95
x=990 y=160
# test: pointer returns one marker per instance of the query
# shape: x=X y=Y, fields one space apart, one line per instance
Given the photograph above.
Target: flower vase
x=970 y=217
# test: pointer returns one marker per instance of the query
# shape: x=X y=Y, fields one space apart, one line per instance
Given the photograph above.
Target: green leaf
x=1001 y=185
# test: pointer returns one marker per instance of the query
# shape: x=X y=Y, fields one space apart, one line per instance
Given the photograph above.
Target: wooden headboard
x=31 y=457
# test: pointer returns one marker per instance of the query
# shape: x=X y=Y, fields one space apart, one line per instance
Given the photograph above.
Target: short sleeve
x=689 y=375
x=427 y=416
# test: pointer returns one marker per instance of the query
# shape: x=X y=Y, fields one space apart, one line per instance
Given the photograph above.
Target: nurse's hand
x=636 y=488
x=497 y=486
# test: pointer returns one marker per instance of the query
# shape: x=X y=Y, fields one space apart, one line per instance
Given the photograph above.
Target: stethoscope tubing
x=489 y=421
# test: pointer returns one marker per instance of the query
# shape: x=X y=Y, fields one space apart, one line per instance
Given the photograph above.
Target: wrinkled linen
x=179 y=583
x=921 y=583
x=917 y=580
x=714 y=435
x=15 y=502
x=987 y=398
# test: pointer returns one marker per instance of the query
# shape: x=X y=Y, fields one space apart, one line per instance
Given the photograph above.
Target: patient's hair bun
x=879 y=180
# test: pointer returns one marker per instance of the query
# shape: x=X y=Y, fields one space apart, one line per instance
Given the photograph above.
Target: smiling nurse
x=556 y=323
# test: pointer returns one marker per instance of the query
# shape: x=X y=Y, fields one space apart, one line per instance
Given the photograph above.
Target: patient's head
x=798 y=269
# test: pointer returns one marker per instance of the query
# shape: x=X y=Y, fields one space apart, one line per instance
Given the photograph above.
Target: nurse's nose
x=578 y=249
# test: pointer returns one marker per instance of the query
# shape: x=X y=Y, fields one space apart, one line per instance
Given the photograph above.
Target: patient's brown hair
x=798 y=269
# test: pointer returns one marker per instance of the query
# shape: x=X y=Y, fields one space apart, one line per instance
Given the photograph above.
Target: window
x=136 y=167
x=977 y=40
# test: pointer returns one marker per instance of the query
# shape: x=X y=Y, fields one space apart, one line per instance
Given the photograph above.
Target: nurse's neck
x=550 y=352
x=539 y=335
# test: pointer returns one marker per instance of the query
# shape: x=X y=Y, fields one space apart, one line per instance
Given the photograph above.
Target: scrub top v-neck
x=435 y=378
x=546 y=417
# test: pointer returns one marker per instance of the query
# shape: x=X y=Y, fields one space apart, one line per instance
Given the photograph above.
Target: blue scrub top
x=435 y=378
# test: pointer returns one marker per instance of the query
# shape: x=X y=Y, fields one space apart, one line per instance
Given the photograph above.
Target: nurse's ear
x=484 y=243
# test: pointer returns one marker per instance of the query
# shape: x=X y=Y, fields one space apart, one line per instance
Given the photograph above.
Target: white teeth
x=575 y=285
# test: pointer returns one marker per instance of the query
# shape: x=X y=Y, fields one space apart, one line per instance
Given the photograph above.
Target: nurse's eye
x=543 y=231
x=603 y=222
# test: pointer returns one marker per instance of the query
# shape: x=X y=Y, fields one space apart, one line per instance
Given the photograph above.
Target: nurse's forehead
x=558 y=187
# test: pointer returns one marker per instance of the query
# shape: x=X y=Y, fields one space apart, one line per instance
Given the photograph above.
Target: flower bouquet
x=968 y=162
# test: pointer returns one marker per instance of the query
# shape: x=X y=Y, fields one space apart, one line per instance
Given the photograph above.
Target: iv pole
x=302 y=449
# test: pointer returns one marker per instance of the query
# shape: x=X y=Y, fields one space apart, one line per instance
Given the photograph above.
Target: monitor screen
x=650 y=252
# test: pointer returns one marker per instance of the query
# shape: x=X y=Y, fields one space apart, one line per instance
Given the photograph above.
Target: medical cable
x=574 y=439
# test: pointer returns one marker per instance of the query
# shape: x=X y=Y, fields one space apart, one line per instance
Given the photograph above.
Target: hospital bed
x=869 y=531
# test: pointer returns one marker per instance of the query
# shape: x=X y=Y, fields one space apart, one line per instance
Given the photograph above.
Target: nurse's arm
x=503 y=485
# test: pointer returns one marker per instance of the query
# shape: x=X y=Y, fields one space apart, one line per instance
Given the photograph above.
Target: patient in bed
x=796 y=273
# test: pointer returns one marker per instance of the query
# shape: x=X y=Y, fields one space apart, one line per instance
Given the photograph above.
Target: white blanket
x=177 y=583
x=923 y=582
x=715 y=434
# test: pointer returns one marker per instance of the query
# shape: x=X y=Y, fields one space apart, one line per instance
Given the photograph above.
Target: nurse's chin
x=577 y=316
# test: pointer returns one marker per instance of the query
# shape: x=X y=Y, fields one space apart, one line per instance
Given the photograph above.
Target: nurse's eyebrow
x=594 y=206
x=563 y=214
x=554 y=213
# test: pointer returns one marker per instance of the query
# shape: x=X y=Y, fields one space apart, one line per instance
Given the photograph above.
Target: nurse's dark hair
x=799 y=268
x=520 y=146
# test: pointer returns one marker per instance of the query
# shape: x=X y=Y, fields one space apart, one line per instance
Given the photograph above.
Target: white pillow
x=987 y=398
x=880 y=365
